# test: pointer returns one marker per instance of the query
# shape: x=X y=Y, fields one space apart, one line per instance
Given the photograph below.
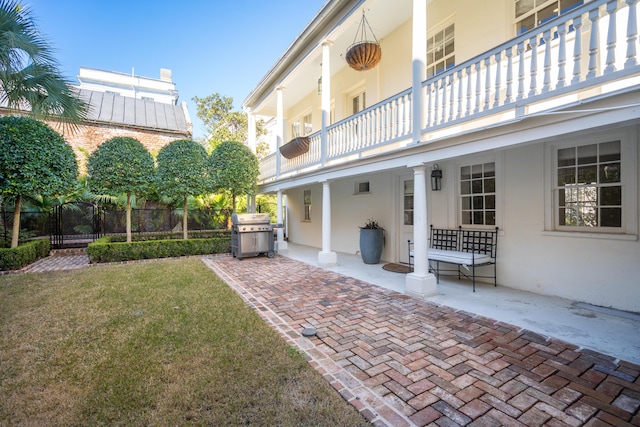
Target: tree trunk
x=128 y=218
x=185 y=234
x=16 y=222
x=233 y=202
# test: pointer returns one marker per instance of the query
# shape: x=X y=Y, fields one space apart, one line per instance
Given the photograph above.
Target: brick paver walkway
x=402 y=361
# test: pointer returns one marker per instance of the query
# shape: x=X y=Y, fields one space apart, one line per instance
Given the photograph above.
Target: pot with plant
x=371 y=242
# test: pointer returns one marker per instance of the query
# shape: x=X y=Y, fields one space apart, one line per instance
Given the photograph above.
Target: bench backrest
x=463 y=240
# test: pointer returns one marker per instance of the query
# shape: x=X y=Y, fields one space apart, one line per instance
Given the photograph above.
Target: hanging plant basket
x=365 y=53
x=295 y=147
x=364 y=56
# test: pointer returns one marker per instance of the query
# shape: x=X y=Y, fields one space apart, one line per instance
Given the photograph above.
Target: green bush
x=13 y=259
x=106 y=250
x=201 y=234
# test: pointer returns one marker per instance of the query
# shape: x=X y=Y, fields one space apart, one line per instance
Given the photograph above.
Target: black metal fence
x=76 y=222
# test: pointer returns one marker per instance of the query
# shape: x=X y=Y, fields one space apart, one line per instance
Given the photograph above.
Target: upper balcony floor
x=586 y=54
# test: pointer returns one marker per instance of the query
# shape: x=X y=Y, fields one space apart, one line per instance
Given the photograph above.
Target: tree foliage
x=35 y=161
x=235 y=169
x=29 y=76
x=222 y=123
x=121 y=165
x=183 y=171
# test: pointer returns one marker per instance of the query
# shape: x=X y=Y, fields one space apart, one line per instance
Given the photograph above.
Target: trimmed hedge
x=198 y=234
x=106 y=250
x=13 y=259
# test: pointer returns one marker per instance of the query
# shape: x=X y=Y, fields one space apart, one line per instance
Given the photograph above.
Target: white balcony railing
x=593 y=46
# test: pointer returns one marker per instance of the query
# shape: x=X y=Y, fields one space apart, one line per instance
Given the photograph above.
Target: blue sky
x=210 y=45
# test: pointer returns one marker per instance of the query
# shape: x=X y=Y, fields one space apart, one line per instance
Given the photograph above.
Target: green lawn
x=158 y=343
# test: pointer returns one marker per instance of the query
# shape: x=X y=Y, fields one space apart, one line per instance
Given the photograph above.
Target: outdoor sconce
x=436 y=178
x=320 y=86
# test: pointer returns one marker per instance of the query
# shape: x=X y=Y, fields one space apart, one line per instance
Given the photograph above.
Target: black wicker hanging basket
x=296 y=147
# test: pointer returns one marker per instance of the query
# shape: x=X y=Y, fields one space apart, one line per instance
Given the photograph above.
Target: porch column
x=420 y=282
x=326 y=258
x=419 y=55
x=251 y=132
x=281 y=244
x=325 y=99
x=279 y=126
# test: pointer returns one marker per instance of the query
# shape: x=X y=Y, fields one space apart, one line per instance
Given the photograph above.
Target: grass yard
x=158 y=343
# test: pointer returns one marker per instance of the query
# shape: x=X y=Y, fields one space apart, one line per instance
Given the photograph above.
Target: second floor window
x=531 y=13
x=441 y=51
x=359 y=102
x=302 y=126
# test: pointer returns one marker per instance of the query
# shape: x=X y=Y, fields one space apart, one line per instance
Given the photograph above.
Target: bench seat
x=463 y=248
x=456 y=257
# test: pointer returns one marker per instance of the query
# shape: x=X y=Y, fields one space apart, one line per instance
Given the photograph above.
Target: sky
x=210 y=45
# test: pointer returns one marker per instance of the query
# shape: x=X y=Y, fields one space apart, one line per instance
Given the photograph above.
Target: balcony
x=588 y=53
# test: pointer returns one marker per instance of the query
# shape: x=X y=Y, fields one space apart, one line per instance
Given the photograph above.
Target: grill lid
x=250 y=218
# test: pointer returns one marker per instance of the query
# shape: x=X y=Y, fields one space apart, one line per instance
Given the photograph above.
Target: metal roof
x=115 y=109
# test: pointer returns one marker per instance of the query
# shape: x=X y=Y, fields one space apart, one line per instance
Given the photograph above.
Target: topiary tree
x=183 y=171
x=235 y=169
x=121 y=165
x=34 y=161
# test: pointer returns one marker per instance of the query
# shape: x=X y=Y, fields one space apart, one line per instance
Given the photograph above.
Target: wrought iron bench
x=466 y=249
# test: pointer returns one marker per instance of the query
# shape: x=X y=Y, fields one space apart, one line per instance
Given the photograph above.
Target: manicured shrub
x=106 y=250
x=15 y=258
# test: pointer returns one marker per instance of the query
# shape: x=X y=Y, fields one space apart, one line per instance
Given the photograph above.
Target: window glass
x=441 y=51
x=588 y=190
x=307 y=205
x=477 y=194
x=530 y=13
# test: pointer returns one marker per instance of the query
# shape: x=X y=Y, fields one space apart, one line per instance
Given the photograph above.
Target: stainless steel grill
x=251 y=235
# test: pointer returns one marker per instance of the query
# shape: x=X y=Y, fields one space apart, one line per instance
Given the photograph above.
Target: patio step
x=68 y=252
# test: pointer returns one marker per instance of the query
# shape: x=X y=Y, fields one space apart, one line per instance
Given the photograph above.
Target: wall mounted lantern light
x=320 y=86
x=436 y=178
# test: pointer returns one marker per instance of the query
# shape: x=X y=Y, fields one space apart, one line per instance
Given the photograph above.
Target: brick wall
x=86 y=138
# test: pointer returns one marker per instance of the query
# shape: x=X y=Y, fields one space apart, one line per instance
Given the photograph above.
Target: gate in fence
x=75 y=224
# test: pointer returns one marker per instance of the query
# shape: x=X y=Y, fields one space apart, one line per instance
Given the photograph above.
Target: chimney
x=165 y=75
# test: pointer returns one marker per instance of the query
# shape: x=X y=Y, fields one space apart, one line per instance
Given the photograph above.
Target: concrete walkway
x=404 y=361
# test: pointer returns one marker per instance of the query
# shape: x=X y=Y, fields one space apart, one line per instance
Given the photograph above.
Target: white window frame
x=359 y=185
x=539 y=6
x=306 y=205
x=431 y=42
x=302 y=125
x=628 y=180
x=454 y=176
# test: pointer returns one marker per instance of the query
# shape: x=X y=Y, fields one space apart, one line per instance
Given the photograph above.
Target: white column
x=420 y=282
x=419 y=55
x=325 y=99
x=251 y=131
x=281 y=244
x=279 y=126
x=326 y=258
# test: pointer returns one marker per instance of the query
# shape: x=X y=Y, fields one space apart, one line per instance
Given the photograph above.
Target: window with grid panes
x=588 y=186
x=307 y=205
x=478 y=194
x=441 y=51
x=531 y=13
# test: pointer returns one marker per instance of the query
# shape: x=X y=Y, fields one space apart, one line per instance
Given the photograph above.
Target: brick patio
x=402 y=361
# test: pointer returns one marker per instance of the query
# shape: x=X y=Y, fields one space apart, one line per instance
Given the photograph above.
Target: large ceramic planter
x=371 y=241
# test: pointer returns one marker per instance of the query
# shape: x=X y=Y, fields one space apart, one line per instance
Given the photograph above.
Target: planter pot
x=371 y=241
x=363 y=56
x=295 y=147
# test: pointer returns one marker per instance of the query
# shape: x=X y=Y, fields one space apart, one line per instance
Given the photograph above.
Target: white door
x=406 y=216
